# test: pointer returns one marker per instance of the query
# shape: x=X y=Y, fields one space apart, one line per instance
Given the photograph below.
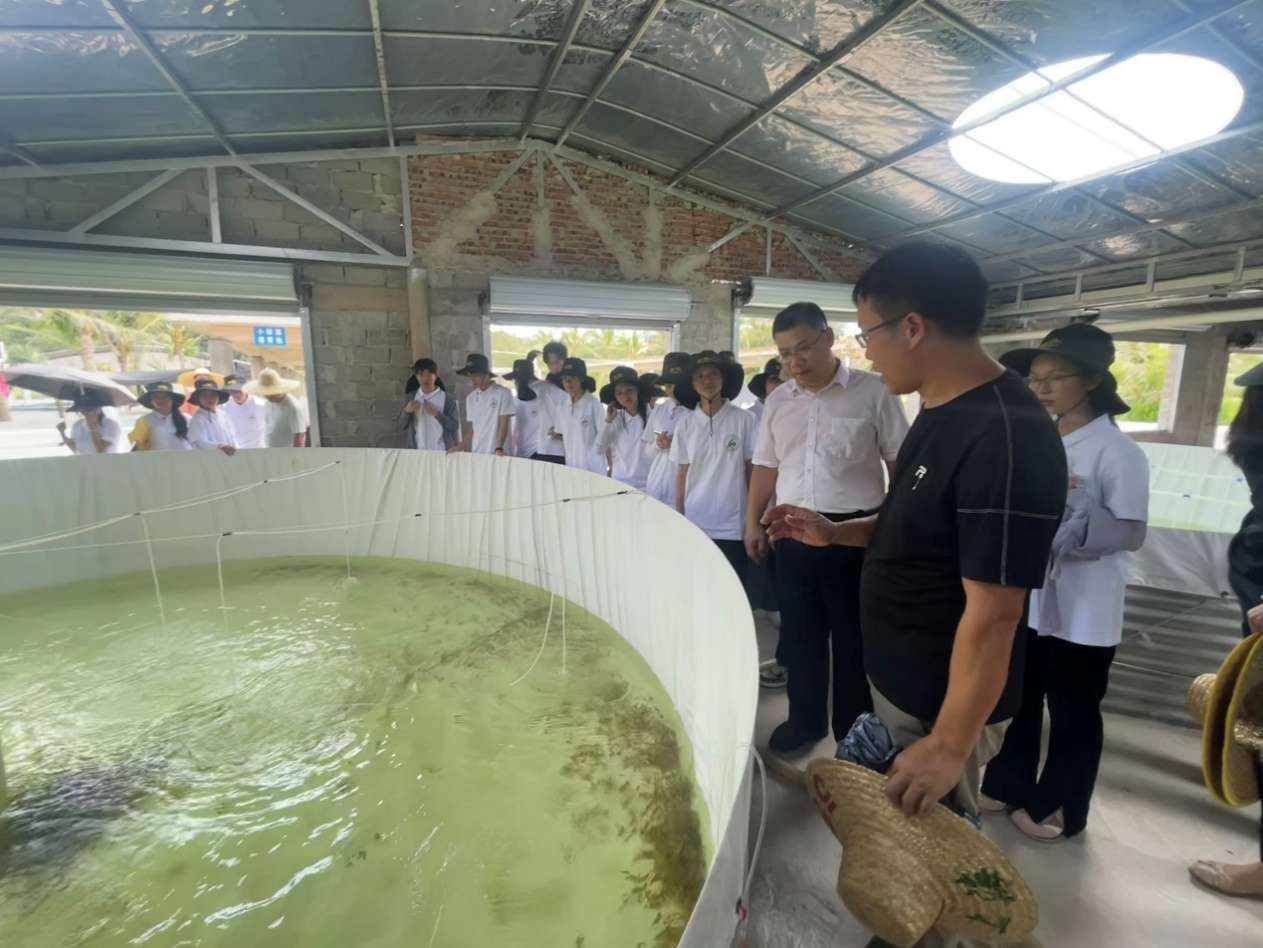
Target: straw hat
x=1229 y=706
x=270 y=382
x=902 y=876
x=188 y=379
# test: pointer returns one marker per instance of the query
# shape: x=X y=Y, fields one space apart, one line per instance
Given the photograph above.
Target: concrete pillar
x=1200 y=387
x=419 y=312
x=220 y=351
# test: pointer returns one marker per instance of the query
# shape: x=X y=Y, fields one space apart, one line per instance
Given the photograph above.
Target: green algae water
x=336 y=763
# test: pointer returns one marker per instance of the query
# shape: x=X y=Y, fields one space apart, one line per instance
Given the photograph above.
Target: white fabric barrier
x=645 y=570
x=1197 y=499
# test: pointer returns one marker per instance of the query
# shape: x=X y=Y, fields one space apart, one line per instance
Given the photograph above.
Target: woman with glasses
x=1076 y=619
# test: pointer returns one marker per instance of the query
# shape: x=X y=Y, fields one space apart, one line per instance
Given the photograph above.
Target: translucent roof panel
x=994 y=234
x=672 y=149
x=816 y=26
x=859 y=222
x=924 y=59
x=758 y=181
x=252 y=60
x=30 y=120
x=847 y=111
x=798 y=150
x=1131 y=246
x=246 y=14
x=293 y=111
x=452 y=61
x=543 y=19
x=54 y=13
x=905 y=197
x=474 y=105
x=1067 y=214
x=937 y=166
x=580 y=70
x=1221 y=228
x=189 y=146
x=1160 y=190
x=684 y=103
x=74 y=62
x=608 y=23
x=720 y=50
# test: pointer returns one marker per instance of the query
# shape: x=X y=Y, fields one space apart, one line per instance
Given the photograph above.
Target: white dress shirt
x=484 y=409
x=211 y=429
x=827 y=447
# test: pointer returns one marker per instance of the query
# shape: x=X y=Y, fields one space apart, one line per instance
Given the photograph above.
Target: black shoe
x=789 y=737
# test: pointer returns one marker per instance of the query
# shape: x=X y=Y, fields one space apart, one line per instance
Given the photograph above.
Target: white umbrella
x=67 y=385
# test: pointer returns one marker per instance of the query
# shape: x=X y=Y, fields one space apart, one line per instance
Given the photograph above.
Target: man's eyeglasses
x=862 y=337
x=802 y=348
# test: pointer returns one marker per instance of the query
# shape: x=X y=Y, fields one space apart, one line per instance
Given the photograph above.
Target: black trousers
x=818 y=592
x=1072 y=679
x=734 y=552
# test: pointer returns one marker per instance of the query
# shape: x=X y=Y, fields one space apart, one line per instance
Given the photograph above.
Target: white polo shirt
x=108 y=429
x=827 y=447
x=155 y=432
x=246 y=420
x=624 y=439
x=1107 y=469
x=756 y=409
x=526 y=423
x=716 y=450
x=664 y=419
x=551 y=401
x=483 y=410
x=283 y=420
x=580 y=423
x=209 y=429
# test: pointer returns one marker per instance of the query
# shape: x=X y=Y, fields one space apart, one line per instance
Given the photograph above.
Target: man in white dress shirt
x=824 y=437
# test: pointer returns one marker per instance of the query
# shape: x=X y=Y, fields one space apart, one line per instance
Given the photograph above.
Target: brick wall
x=614 y=230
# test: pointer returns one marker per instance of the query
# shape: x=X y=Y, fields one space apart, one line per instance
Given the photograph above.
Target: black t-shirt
x=978 y=492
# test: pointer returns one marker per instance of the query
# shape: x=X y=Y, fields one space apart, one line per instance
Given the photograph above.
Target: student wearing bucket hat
x=245 y=412
x=627 y=398
x=531 y=410
x=210 y=429
x=489 y=409
x=165 y=428
x=285 y=419
x=663 y=421
x=95 y=432
x=430 y=416
x=550 y=401
x=1076 y=619
x=580 y=419
x=762 y=385
x=712 y=448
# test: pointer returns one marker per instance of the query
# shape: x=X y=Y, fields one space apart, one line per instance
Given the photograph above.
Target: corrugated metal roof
x=831 y=113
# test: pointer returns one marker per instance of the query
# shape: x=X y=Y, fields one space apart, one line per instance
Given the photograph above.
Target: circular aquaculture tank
x=333 y=697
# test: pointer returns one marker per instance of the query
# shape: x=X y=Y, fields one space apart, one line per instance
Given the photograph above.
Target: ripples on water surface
x=349 y=764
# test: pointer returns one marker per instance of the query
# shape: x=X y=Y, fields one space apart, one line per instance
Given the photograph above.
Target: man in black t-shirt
x=978 y=490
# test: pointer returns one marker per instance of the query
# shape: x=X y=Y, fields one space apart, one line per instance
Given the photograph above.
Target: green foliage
x=1141 y=369
x=1238 y=364
x=602 y=349
x=36 y=335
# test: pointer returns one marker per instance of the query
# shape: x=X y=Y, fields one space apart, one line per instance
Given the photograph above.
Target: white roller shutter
x=89 y=279
x=542 y=301
x=766 y=296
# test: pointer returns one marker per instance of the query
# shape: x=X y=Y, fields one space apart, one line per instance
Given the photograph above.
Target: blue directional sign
x=270 y=337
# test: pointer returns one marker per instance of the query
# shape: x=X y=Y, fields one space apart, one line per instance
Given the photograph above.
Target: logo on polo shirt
x=732 y=443
x=920 y=473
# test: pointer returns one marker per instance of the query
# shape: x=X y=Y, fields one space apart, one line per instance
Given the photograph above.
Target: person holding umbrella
x=94 y=433
x=209 y=428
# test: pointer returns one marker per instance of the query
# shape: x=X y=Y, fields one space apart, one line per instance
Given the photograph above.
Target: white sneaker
x=1051 y=830
x=987 y=805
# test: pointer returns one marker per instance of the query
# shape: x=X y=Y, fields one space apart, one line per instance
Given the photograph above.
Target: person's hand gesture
x=923 y=773
x=663 y=441
x=611 y=412
x=787 y=522
x=228 y=449
x=757 y=545
x=430 y=409
x=1254 y=618
x=411 y=408
x=61 y=426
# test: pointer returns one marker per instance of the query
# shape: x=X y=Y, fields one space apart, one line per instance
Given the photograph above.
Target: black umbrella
x=67 y=385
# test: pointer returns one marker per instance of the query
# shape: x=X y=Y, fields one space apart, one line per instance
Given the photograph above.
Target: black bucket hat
x=758 y=384
x=523 y=371
x=151 y=390
x=626 y=375
x=733 y=374
x=234 y=383
x=475 y=364
x=578 y=369
x=1086 y=348
x=89 y=401
x=1250 y=378
x=675 y=369
x=207 y=385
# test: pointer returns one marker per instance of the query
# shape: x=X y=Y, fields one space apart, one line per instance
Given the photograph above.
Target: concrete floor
x=1122 y=884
